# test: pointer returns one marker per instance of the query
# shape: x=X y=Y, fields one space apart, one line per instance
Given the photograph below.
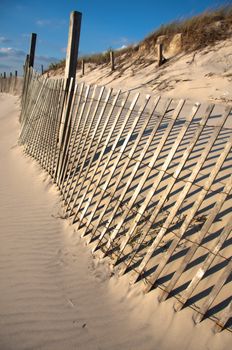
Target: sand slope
x=203 y=75
x=50 y=296
x=53 y=295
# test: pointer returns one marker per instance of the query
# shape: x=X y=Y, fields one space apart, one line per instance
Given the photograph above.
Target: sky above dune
x=105 y=24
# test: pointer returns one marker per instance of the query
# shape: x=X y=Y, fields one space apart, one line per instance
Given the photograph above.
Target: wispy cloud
x=10 y=52
x=51 y=22
x=43 y=22
x=4 y=40
x=121 y=41
x=13 y=59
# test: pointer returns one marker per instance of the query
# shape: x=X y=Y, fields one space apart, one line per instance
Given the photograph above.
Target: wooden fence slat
x=200 y=236
x=89 y=138
x=55 y=127
x=32 y=146
x=143 y=179
x=111 y=174
x=224 y=317
x=200 y=198
x=98 y=163
x=90 y=198
x=39 y=134
x=96 y=148
x=202 y=270
x=65 y=126
x=122 y=173
x=55 y=153
x=83 y=139
x=76 y=130
x=45 y=133
x=25 y=126
x=51 y=126
x=166 y=192
x=79 y=137
x=68 y=139
x=130 y=179
x=213 y=294
x=72 y=166
x=117 y=160
x=157 y=181
x=99 y=119
x=183 y=194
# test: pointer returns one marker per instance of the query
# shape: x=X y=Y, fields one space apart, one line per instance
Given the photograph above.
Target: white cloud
x=13 y=59
x=43 y=22
x=50 y=22
x=122 y=47
x=10 y=52
x=121 y=41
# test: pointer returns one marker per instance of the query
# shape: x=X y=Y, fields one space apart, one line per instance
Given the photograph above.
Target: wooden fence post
x=70 y=74
x=112 y=61
x=160 y=54
x=32 y=50
x=73 y=45
x=4 y=75
x=71 y=63
x=42 y=69
x=82 y=67
x=16 y=73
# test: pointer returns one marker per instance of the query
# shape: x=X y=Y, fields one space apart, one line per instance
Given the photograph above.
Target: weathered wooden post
x=32 y=50
x=112 y=60
x=160 y=54
x=15 y=80
x=4 y=75
x=73 y=45
x=70 y=75
x=42 y=69
x=82 y=67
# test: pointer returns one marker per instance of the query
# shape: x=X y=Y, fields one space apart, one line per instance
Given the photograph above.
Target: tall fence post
x=42 y=69
x=70 y=74
x=32 y=50
x=82 y=67
x=73 y=46
x=160 y=54
x=112 y=61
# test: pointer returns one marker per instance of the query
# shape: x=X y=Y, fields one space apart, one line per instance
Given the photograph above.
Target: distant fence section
x=147 y=181
x=11 y=84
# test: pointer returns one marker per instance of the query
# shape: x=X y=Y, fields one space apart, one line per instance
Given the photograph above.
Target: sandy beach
x=52 y=296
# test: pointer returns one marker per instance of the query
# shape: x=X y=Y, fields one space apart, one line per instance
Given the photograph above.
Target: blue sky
x=105 y=24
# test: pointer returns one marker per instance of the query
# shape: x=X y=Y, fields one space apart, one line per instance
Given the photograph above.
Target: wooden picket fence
x=12 y=84
x=147 y=181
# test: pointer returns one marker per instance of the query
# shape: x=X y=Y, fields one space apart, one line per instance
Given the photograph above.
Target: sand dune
x=53 y=294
